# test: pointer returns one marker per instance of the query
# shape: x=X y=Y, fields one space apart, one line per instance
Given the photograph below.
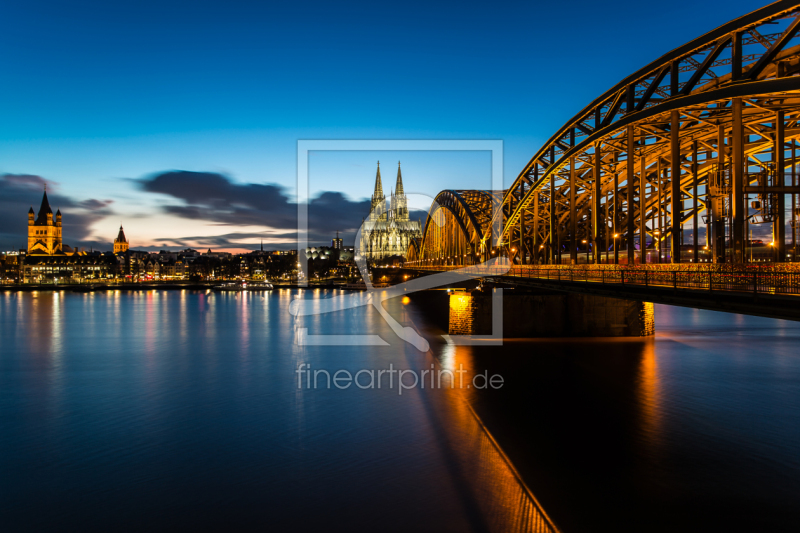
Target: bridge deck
x=762 y=292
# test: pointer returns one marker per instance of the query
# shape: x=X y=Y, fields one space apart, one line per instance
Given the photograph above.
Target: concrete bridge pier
x=543 y=313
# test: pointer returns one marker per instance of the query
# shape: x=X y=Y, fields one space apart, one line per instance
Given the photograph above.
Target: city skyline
x=203 y=192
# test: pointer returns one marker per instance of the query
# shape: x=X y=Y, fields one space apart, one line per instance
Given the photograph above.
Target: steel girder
x=470 y=212
x=414 y=249
x=719 y=102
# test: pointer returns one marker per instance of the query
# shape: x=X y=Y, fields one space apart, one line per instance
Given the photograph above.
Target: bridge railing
x=752 y=281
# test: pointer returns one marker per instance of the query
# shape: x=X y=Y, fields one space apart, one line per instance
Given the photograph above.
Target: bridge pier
x=544 y=313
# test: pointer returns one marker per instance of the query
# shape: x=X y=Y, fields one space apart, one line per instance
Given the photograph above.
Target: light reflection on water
x=143 y=410
x=697 y=429
x=181 y=409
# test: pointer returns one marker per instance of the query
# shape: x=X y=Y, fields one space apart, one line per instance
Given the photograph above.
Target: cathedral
x=389 y=232
x=44 y=233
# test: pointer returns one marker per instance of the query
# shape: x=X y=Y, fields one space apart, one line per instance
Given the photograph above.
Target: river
x=196 y=410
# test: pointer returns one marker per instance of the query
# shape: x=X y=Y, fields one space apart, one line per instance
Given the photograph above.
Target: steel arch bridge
x=707 y=135
x=457 y=229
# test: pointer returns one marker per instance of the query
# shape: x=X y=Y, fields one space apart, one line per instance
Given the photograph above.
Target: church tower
x=378 y=207
x=44 y=233
x=399 y=203
x=120 y=243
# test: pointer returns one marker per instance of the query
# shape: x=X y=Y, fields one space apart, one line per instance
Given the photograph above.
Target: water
x=164 y=410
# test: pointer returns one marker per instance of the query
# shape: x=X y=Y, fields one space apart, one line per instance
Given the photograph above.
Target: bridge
x=656 y=188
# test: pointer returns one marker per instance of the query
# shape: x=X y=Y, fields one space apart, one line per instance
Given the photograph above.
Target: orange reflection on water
x=503 y=498
x=456 y=366
x=40 y=315
x=648 y=391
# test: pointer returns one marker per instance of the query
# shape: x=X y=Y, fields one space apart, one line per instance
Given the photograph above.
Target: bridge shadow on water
x=693 y=430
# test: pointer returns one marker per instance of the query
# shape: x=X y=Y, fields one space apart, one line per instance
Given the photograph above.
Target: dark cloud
x=248 y=241
x=416 y=214
x=19 y=192
x=213 y=197
x=211 y=194
x=97 y=205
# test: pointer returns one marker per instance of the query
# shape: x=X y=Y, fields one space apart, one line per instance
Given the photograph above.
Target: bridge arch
x=414 y=251
x=695 y=135
x=456 y=229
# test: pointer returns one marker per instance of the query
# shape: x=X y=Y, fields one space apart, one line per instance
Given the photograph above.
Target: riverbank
x=102 y=287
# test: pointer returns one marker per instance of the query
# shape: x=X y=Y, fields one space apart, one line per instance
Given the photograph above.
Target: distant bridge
x=705 y=136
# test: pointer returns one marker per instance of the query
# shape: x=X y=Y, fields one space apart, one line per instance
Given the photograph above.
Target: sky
x=180 y=120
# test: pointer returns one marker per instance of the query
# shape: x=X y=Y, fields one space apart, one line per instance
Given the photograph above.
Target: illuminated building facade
x=44 y=232
x=387 y=233
x=121 y=244
x=337 y=243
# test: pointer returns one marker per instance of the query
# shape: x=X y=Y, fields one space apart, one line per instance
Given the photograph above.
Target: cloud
x=19 y=192
x=97 y=205
x=214 y=198
x=243 y=240
x=216 y=195
x=205 y=197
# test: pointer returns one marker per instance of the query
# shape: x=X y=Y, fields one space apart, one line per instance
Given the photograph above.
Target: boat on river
x=244 y=286
x=84 y=288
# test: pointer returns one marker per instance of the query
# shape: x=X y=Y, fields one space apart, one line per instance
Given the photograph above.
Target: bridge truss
x=707 y=133
x=457 y=228
x=705 y=136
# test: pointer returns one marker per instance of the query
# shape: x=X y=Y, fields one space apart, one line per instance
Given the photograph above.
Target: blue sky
x=99 y=98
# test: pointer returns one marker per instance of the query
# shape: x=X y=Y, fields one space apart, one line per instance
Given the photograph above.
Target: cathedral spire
x=398 y=189
x=378 y=185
